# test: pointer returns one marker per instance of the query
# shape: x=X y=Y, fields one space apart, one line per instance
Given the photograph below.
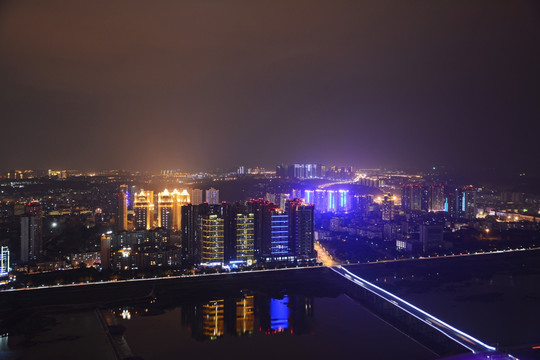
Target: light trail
x=449 y=256
x=462 y=338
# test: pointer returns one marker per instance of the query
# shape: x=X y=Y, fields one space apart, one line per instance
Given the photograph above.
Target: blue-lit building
x=309 y=196
x=344 y=204
x=332 y=201
x=280 y=237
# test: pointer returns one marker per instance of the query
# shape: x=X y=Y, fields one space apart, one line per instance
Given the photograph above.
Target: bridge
x=415 y=322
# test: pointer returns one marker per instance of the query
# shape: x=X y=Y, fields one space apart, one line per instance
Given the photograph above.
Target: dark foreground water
x=265 y=327
x=242 y=324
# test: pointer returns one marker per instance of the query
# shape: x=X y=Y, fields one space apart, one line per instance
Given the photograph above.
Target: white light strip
x=469 y=337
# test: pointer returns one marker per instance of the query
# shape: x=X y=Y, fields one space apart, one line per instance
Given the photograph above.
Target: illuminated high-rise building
x=321 y=202
x=212 y=196
x=309 y=196
x=466 y=203
x=4 y=261
x=344 y=201
x=213 y=240
x=332 y=201
x=196 y=196
x=31 y=236
x=105 y=251
x=165 y=210
x=415 y=197
x=301 y=234
x=436 y=198
x=282 y=199
x=306 y=171
x=245 y=238
x=213 y=319
x=191 y=233
x=262 y=211
x=387 y=207
x=122 y=211
x=143 y=206
x=179 y=199
x=280 y=237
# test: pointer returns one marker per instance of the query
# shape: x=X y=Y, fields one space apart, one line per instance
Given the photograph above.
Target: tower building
x=143 y=206
x=196 y=196
x=165 y=210
x=245 y=238
x=179 y=199
x=212 y=196
x=122 y=210
x=213 y=240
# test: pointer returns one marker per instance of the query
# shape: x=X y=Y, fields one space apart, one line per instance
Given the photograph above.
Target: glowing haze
x=205 y=84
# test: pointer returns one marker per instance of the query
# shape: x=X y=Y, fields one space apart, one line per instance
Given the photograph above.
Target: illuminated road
x=97 y=283
x=464 y=339
x=323 y=256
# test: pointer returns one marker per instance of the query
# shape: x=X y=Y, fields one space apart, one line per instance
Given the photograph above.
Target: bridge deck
x=462 y=338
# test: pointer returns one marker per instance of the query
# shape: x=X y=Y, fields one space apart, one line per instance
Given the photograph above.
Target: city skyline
x=371 y=85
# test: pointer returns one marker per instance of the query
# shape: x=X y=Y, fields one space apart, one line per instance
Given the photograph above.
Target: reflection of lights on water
x=126 y=315
x=279 y=314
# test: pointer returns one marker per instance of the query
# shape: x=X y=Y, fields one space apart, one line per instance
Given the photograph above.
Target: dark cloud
x=203 y=84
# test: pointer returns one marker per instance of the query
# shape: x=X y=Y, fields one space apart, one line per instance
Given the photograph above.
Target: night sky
x=203 y=84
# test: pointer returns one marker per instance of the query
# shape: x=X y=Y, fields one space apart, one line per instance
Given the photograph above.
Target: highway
x=462 y=338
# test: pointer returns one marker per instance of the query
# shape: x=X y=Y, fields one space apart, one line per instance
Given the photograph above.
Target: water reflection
x=279 y=314
x=244 y=314
x=213 y=321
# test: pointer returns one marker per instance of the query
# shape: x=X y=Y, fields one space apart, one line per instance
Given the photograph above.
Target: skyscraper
x=143 y=207
x=213 y=240
x=245 y=238
x=212 y=196
x=196 y=196
x=387 y=207
x=262 y=211
x=179 y=199
x=121 y=215
x=309 y=196
x=466 y=203
x=191 y=233
x=31 y=237
x=105 y=251
x=280 y=237
x=436 y=198
x=344 y=203
x=414 y=197
x=165 y=210
x=332 y=201
x=4 y=261
x=301 y=235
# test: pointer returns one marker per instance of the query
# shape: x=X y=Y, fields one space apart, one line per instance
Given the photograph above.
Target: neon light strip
x=469 y=337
